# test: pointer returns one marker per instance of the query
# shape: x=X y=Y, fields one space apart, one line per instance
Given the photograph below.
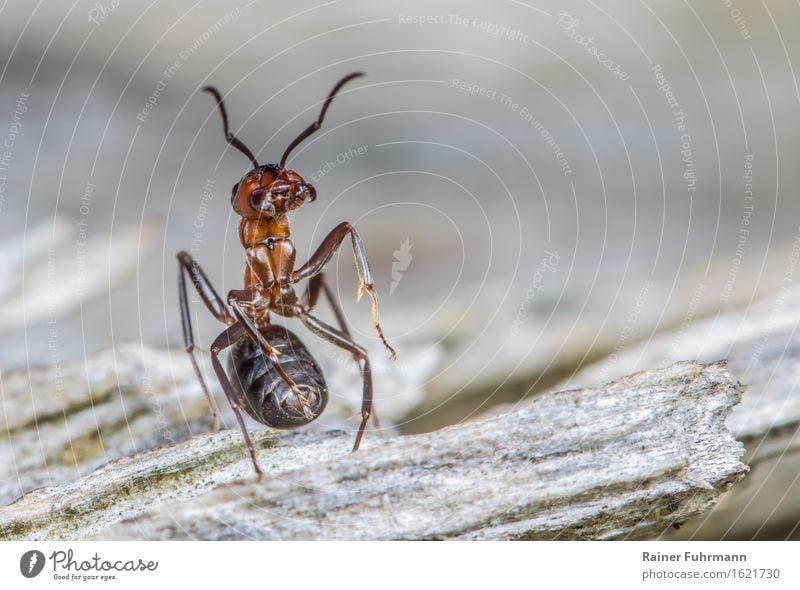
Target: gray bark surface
x=762 y=348
x=625 y=460
x=762 y=345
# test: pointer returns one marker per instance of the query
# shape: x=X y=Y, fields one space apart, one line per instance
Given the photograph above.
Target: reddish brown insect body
x=275 y=379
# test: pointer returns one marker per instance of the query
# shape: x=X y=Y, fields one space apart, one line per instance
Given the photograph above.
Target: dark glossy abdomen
x=264 y=394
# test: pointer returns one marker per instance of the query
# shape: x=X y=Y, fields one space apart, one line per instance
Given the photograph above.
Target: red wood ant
x=276 y=380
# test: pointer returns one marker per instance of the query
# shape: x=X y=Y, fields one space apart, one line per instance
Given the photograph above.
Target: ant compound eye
x=234 y=190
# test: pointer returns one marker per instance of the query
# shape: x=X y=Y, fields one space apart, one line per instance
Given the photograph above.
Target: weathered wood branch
x=762 y=347
x=627 y=459
x=61 y=422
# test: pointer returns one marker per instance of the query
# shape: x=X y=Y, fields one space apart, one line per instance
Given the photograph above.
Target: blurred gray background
x=549 y=181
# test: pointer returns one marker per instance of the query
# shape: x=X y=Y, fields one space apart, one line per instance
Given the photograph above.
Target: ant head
x=272 y=190
x=269 y=192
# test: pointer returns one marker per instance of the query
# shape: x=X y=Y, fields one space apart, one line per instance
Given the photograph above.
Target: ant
x=277 y=382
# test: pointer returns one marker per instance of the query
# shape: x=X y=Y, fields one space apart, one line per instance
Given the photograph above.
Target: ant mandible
x=276 y=380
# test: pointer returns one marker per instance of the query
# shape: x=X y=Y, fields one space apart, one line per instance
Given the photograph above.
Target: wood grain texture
x=625 y=460
x=762 y=348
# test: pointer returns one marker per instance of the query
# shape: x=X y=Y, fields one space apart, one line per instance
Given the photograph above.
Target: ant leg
x=258 y=338
x=223 y=341
x=366 y=285
x=341 y=340
x=214 y=304
x=316 y=284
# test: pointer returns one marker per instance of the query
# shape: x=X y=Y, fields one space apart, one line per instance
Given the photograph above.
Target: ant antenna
x=228 y=135
x=318 y=123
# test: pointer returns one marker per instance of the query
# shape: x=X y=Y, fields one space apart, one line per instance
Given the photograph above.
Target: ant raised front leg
x=215 y=305
x=341 y=340
x=366 y=285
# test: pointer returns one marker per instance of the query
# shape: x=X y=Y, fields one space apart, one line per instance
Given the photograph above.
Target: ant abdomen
x=264 y=393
